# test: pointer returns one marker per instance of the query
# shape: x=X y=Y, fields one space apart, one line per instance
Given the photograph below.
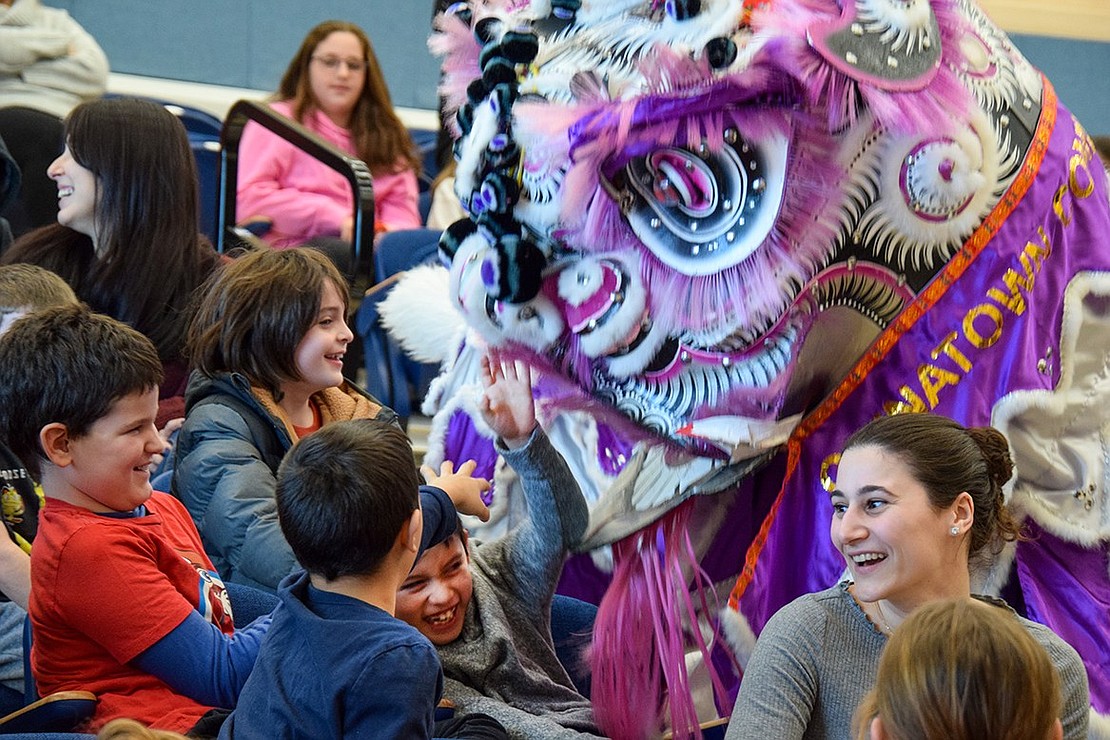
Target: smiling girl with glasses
x=333 y=87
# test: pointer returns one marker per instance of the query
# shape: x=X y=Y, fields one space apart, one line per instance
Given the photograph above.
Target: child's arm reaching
x=166 y=635
x=198 y=660
x=534 y=551
x=464 y=490
x=448 y=492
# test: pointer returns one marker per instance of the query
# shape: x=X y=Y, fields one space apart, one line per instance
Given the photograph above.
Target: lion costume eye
x=704 y=211
x=683 y=181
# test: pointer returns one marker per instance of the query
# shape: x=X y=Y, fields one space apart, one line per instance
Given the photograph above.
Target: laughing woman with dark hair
x=126 y=238
x=918 y=501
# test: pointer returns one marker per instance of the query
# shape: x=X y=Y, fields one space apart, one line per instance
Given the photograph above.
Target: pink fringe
x=928 y=110
x=551 y=122
x=455 y=43
x=639 y=646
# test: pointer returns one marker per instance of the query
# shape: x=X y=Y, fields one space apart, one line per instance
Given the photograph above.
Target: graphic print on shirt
x=213 y=602
x=11 y=502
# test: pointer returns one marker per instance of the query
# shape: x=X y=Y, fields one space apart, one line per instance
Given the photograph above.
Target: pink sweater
x=305 y=198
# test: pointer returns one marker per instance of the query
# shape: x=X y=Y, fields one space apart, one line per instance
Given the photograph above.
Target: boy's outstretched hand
x=507 y=404
x=464 y=491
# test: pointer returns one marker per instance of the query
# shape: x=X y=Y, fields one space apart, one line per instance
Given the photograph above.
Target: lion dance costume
x=730 y=233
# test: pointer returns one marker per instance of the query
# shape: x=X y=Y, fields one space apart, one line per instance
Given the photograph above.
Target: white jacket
x=47 y=61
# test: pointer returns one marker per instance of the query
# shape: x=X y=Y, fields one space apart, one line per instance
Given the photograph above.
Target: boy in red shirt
x=124 y=601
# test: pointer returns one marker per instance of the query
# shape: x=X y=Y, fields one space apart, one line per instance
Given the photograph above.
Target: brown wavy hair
x=959 y=669
x=252 y=314
x=379 y=137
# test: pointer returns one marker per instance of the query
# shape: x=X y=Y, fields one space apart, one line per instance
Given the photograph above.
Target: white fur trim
x=738 y=634
x=536 y=324
x=1060 y=438
x=418 y=314
x=1099 y=727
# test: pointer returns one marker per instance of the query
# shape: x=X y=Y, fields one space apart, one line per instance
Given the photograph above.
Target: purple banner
x=980 y=330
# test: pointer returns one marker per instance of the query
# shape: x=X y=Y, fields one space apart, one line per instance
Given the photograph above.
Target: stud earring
x=955 y=531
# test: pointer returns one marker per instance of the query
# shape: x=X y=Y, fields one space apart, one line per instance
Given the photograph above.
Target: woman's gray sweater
x=818 y=656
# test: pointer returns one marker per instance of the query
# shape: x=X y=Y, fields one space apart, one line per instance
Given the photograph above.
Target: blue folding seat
x=391 y=377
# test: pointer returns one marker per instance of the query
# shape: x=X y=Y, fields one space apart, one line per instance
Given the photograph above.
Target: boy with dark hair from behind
x=124 y=602
x=337 y=663
x=24 y=289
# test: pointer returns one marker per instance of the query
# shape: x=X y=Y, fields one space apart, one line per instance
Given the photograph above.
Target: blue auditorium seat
x=206 y=152
x=425 y=141
x=392 y=377
x=204 y=139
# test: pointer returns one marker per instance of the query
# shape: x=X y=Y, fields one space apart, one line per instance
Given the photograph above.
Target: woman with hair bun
x=918 y=498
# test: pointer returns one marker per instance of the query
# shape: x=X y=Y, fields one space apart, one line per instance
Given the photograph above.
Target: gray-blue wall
x=247 y=43
x=1080 y=72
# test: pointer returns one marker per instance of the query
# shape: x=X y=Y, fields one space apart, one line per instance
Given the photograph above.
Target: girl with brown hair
x=333 y=87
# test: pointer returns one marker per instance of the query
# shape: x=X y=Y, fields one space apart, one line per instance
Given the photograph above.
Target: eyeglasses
x=332 y=63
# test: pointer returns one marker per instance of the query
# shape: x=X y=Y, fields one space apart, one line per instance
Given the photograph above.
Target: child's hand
x=166 y=433
x=507 y=404
x=464 y=491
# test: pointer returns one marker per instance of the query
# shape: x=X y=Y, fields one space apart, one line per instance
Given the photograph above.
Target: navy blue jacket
x=335 y=667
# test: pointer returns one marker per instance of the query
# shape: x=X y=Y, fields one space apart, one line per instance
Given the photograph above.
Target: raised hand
x=507 y=405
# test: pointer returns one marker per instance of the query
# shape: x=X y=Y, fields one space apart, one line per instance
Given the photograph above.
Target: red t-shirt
x=103 y=590
x=303 y=432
